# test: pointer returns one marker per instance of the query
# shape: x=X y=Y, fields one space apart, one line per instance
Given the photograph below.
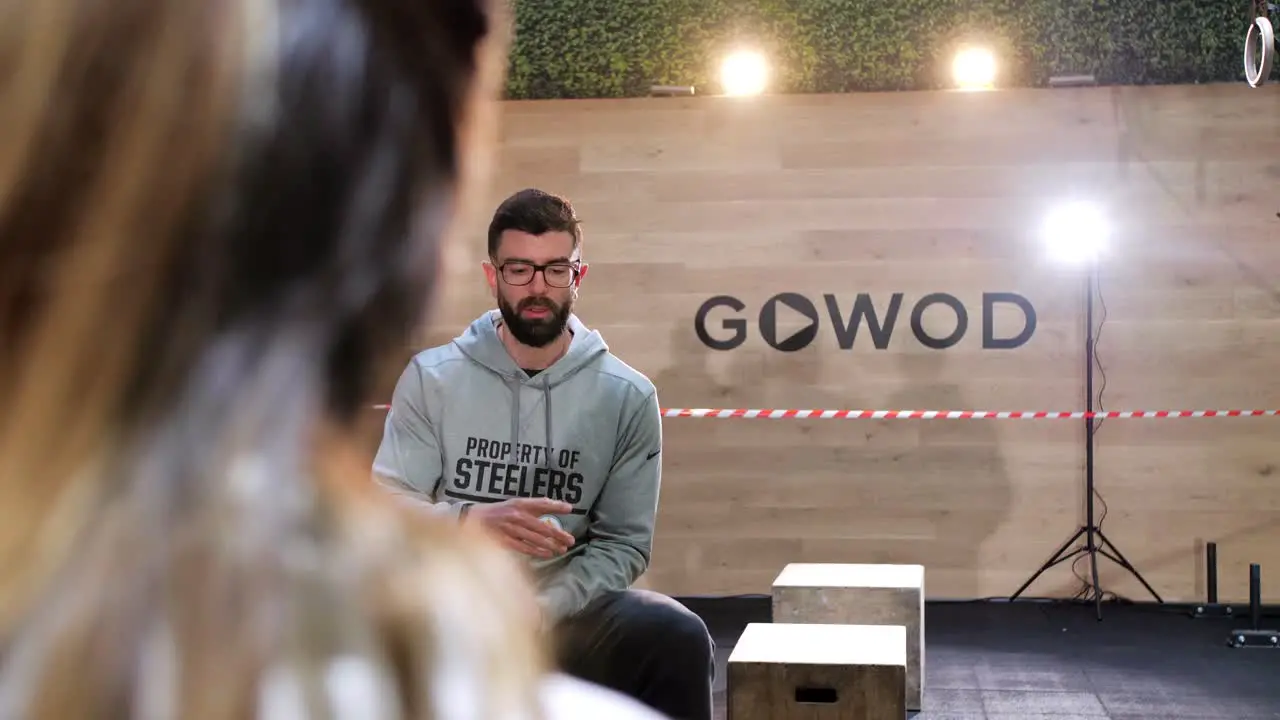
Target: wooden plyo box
x=796 y=671
x=857 y=594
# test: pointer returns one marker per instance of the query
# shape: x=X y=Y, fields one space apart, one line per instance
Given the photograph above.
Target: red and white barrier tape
x=942 y=414
x=953 y=414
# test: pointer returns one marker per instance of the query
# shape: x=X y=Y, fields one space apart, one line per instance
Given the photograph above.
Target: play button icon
x=788 y=322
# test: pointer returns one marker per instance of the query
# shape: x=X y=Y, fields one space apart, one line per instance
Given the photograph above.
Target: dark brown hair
x=536 y=212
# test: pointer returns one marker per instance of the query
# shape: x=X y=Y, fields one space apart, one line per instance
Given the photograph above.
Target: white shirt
x=567 y=698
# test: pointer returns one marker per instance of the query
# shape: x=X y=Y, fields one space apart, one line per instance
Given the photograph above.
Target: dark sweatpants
x=645 y=645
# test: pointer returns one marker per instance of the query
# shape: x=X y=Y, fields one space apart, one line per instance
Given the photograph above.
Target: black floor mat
x=1036 y=661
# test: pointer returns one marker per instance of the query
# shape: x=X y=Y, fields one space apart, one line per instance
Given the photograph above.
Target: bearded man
x=528 y=424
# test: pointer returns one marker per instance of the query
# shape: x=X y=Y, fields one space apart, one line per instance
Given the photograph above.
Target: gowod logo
x=773 y=322
x=789 y=321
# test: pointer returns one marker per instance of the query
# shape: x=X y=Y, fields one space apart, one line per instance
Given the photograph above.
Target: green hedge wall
x=619 y=48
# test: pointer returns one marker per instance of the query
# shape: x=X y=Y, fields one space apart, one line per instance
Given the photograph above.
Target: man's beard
x=535 y=332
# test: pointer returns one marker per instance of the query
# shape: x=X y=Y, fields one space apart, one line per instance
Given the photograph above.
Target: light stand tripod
x=1095 y=542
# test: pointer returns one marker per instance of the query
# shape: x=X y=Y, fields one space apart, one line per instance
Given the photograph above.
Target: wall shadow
x=964 y=489
x=688 y=381
x=943 y=484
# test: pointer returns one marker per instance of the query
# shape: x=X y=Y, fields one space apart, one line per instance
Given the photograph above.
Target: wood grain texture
x=918 y=193
x=852 y=594
x=798 y=671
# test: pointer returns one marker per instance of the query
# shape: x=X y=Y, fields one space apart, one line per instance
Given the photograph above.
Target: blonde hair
x=219 y=221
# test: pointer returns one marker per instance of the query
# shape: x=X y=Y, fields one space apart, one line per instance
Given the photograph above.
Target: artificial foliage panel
x=619 y=48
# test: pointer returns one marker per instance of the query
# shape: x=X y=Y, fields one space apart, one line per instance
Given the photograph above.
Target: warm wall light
x=974 y=69
x=744 y=72
x=1076 y=232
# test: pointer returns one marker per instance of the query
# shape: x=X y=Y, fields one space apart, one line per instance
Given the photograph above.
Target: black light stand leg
x=1123 y=562
x=1211 y=570
x=1090 y=529
x=1060 y=556
x=1211 y=607
x=1255 y=637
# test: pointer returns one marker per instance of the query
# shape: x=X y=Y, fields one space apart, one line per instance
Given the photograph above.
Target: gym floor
x=1036 y=661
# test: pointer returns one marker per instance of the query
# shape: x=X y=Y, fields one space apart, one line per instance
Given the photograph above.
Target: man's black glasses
x=557 y=274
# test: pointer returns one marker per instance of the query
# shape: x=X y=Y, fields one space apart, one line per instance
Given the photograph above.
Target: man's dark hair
x=535 y=212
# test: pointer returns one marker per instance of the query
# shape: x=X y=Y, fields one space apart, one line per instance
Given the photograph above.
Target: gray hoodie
x=467 y=425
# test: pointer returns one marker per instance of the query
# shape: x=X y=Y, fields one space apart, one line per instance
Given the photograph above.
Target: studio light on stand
x=1077 y=234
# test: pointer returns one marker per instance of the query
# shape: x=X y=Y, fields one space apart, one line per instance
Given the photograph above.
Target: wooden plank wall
x=919 y=193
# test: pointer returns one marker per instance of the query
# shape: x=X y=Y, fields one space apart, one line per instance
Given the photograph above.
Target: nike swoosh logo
x=653 y=454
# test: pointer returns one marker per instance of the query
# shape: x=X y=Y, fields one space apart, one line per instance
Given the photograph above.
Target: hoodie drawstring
x=482 y=344
x=546 y=406
x=516 y=386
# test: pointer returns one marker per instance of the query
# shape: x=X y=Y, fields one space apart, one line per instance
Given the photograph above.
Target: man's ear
x=582 y=273
x=490 y=277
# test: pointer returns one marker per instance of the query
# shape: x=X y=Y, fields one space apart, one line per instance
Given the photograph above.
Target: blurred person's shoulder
x=567 y=698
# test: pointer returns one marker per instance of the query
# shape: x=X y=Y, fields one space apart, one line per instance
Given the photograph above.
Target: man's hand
x=515 y=522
